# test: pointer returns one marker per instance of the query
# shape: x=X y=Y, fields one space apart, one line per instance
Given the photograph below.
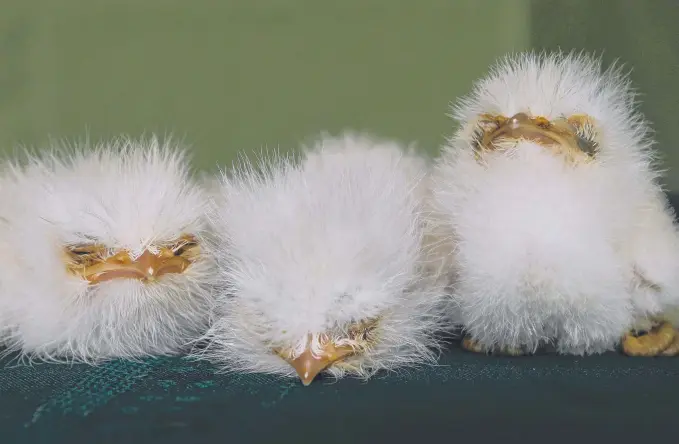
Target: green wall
x=234 y=75
x=644 y=34
x=240 y=74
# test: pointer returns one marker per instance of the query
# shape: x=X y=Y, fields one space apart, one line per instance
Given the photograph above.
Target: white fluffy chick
x=320 y=261
x=106 y=257
x=549 y=193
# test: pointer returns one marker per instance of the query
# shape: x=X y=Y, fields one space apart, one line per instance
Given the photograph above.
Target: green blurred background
x=236 y=75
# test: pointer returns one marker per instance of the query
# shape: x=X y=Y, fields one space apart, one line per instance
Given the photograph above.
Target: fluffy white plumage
x=307 y=249
x=126 y=195
x=547 y=251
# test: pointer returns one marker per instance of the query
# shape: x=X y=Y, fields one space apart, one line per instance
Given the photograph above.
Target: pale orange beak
x=147 y=267
x=560 y=137
x=521 y=126
x=308 y=366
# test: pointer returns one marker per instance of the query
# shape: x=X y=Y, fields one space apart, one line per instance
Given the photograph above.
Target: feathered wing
x=306 y=244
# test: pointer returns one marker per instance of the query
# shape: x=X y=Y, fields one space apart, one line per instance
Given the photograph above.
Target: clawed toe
x=673 y=349
x=472 y=345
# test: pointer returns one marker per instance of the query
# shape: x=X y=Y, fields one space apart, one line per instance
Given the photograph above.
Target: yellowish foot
x=673 y=349
x=471 y=345
x=654 y=343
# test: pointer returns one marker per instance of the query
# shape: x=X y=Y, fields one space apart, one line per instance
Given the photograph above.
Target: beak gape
x=87 y=263
x=147 y=267
x=561 y=137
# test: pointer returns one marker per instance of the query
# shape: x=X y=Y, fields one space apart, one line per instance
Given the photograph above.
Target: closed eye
x=84 y=255
x=80 y=252
x=585 y=133
x=362 y=331
x=587 y=146
x=185 y=246
x=486 y=124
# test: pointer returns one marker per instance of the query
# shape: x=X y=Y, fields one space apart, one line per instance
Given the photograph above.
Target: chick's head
x=565 y=103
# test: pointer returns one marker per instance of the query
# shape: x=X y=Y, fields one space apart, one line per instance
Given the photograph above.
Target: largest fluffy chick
x=321 y=262
x=562 y=234
x=106 y=256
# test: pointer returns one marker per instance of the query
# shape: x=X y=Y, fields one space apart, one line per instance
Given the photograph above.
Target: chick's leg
x=672 y=316
x=471 y=345
x=657 y=341
x=655 y=250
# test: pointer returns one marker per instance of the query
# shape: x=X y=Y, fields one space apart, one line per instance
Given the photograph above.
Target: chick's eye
x=80 y=252
x=584 y=131
x=489 y=122
x=361 y=331
x=184 y=248
x=84 y=254
x=186 y=245
x=485 y=125
x=84 y=250
x=587 y=146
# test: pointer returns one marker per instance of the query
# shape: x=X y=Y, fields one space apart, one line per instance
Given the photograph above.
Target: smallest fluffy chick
x=106 y=252
x=321 y=263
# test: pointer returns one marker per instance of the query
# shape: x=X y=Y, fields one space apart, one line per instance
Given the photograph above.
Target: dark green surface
x=468 y=397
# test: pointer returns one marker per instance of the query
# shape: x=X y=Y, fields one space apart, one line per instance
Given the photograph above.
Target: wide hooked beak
x=561 y=138
x=147 y=267
x=308 y=365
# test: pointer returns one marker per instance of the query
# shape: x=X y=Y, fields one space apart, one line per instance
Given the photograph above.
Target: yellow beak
x=147 y=267
x=539 y=130
x=308 y=366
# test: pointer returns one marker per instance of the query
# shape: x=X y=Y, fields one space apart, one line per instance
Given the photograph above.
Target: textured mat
x=172 y=400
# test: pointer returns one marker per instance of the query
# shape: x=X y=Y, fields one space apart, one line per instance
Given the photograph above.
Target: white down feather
x=126 y=194
x=307 y=246
x=545 y=251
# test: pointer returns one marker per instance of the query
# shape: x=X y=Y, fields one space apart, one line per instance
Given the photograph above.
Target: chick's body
x=320 y=260
x=560 y=236
x=106 y=257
